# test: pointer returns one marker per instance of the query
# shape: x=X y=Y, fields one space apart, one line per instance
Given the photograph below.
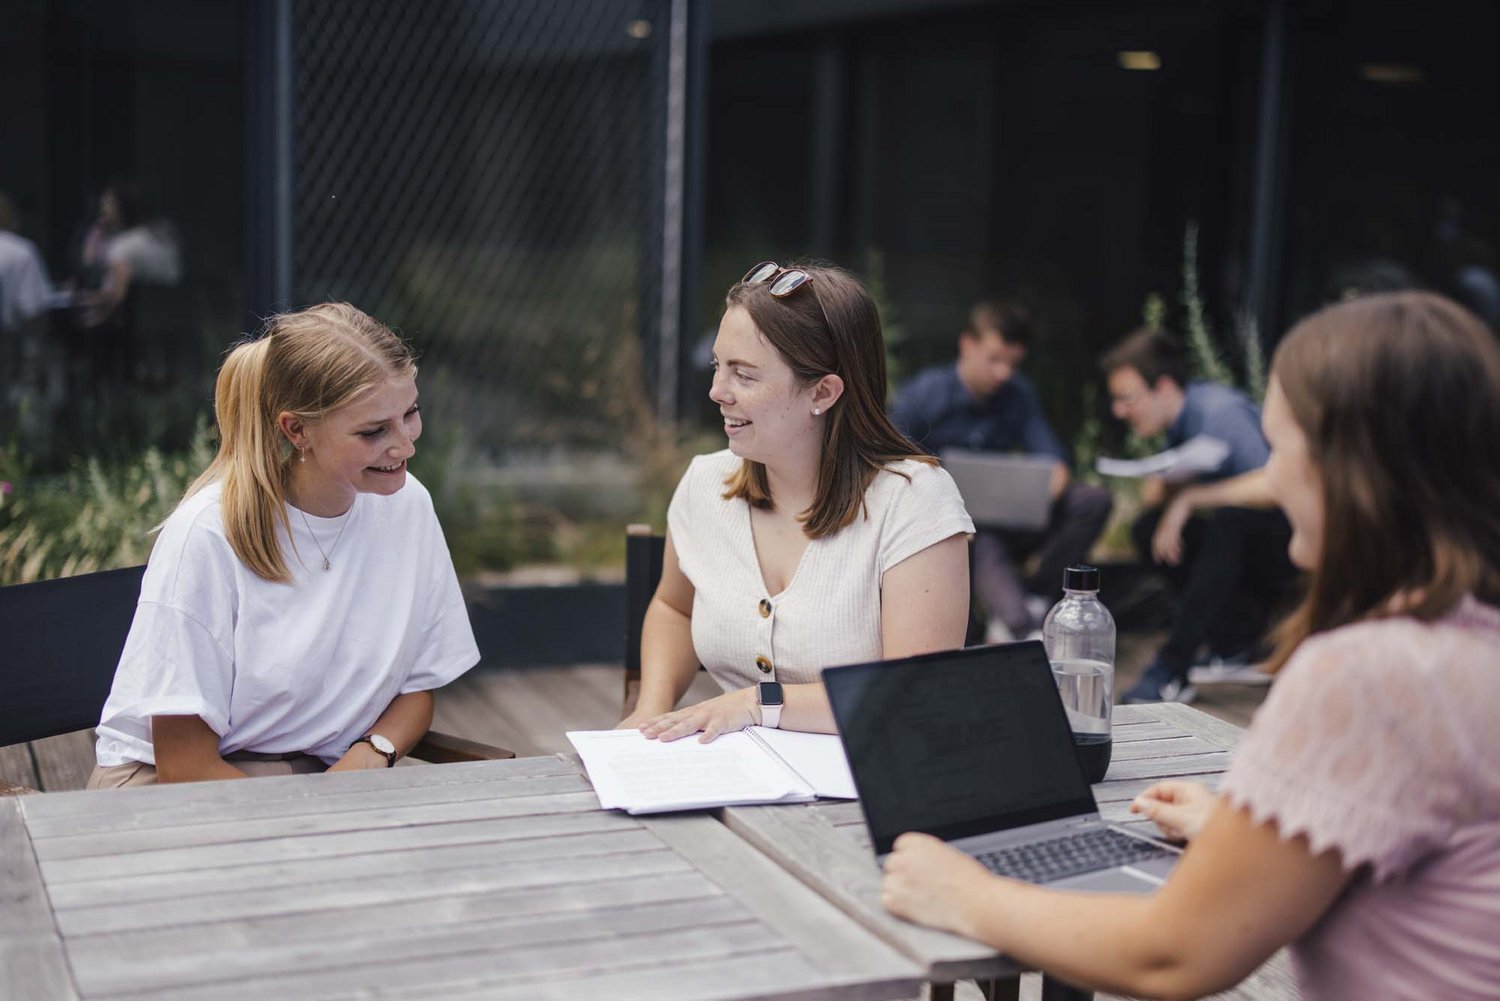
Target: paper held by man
x=1203 y=454
x=754 y=765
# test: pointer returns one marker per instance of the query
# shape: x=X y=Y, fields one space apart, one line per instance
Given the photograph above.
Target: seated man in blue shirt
x=984 y=403
x=1230 y=565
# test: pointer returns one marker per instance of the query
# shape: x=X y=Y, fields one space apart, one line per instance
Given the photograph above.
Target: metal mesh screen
x=486 y=176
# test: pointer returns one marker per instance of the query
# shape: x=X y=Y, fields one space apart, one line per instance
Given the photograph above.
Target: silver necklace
x=329 y=551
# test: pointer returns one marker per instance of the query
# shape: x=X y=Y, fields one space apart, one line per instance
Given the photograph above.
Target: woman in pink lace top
x=1360 y=820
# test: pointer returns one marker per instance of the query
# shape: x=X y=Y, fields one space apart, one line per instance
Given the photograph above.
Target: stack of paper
x=756 y=765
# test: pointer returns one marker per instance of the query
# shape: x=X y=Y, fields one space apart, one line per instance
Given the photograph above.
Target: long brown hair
x=1399 y=396
x=308 y=363
x=829 y=327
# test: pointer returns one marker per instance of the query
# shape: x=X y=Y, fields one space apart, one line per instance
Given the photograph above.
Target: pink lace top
x=1382 y=740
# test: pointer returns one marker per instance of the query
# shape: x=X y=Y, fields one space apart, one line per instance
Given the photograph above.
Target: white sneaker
x=998 y=632
x=1232 y=671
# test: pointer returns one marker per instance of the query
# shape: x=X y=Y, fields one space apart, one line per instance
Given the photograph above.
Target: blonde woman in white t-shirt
x=821 y=536
x=300 y=604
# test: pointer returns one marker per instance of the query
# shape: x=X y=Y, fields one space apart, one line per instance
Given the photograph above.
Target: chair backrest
x=643 y=556
x=61 y=644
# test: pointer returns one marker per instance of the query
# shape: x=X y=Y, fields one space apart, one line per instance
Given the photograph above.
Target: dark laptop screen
x=958 y=743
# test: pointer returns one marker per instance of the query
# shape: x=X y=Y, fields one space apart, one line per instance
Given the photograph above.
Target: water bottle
x=1079 y=634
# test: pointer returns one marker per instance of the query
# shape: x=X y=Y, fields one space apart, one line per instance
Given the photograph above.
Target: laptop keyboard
x=1070 y=855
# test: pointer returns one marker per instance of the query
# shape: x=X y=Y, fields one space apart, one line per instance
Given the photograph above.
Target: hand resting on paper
x=1179 y=808
x=722 y=714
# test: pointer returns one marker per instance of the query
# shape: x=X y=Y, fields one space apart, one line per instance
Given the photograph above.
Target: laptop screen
x=958 y=743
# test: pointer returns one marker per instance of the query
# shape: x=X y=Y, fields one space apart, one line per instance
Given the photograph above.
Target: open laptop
x=1003 y=491
x=973 y=746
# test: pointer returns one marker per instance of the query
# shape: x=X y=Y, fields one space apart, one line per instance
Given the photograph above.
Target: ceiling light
x=1139 y=60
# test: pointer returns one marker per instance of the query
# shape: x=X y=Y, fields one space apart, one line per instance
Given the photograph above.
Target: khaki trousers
x=138 y=773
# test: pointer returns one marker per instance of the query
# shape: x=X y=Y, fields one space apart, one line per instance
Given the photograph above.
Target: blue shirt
x=1215 y=410
x=936 y=411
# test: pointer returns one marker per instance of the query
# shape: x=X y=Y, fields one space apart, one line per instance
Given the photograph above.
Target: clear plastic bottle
x=1079 y=634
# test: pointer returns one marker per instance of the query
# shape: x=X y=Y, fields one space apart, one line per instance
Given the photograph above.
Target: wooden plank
x=64 y=762
x=368 y=892
x=429 y=976
x=86 y=812
x=259 y=853
x=1187 y=764
x=779 y=974
x=821 y=931
x=384 y=946
x=32 y=964
x=17 y=768
x=1225 y=735
x=1166 y=747
x=309 y=874
x=846 y=874
x=397 y=918
x=1125 y=733
x=350 y=820
x=251 y=813
x=1125 y=790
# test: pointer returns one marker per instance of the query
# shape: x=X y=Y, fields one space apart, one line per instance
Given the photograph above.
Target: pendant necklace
x=327 y=565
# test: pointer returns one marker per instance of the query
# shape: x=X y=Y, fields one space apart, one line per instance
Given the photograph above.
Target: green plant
x=96 y=516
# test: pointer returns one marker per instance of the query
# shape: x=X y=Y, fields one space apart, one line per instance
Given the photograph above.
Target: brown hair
x=1010 y=320
x=1399 y=396
x=309 y=363
x=829 y=327
x=1152 y=352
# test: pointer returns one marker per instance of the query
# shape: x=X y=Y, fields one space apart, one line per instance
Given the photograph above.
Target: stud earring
x=816 y=411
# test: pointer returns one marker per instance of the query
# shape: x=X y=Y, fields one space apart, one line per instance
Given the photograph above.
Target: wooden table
x=499 y=880
x=827 y=846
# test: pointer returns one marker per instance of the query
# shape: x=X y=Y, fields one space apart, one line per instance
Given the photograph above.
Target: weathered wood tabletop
x=501 y=879
x=827 y=846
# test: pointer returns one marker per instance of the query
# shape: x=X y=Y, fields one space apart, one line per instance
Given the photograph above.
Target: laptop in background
x=1003 y=491
x=973 y=746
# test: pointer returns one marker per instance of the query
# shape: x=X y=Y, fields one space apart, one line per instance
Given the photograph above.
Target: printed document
x=754 y=765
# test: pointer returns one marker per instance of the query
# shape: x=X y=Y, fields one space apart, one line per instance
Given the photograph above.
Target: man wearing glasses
x=984 y=403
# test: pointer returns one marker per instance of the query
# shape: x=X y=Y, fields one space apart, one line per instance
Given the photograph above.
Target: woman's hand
x=723 y=714
x=1179 y=808
x=928 y=881
x=358 y=758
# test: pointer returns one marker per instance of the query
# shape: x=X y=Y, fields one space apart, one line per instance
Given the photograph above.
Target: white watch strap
x=770 y=716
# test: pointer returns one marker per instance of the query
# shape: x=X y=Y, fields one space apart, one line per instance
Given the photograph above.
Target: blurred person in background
x=25 y=291
x=1359 y=823
x=1218 y=537
x=984 y=403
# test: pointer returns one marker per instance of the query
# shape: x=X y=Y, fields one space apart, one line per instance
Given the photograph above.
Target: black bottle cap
x=1081 y=577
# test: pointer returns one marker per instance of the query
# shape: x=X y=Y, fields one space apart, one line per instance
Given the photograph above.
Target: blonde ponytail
x=307 y=363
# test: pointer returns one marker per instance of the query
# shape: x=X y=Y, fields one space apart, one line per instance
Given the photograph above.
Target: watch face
x=770 y=693
x=382 y=744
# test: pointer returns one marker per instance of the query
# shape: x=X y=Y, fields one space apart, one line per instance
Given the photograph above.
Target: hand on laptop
x=929 y=882
x=1179 y=808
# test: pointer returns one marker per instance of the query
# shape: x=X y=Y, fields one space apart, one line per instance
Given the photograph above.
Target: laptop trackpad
x=1120 y=880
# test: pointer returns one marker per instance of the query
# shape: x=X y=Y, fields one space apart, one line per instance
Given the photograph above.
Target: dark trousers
x=1077 y=518
x=1234 y=572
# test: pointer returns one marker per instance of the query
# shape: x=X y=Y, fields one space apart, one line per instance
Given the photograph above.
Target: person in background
x=821 y=536
x=985 y=403
x=25 y=291
x=1218 y=537
x=1359 y=823
x=300 y=605
x=128 y=243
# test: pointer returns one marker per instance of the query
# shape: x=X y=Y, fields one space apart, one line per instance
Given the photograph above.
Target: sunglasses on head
x=783 y=281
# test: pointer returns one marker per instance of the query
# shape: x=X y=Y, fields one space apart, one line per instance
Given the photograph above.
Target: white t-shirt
x=152 y=253
x=280 y=668
x=829 y=613
x=24 y=289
